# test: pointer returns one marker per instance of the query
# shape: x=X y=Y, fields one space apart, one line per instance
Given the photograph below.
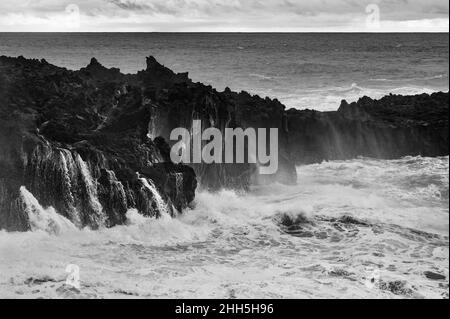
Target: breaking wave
x=344 y=224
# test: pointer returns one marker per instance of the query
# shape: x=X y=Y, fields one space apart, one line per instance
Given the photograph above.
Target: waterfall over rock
x=97 y=217
x=69 y=169
x=161 y=205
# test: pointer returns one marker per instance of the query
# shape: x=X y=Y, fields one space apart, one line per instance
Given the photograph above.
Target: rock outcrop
x=389 y=128
x=77 y=142
x=392 y=127
x=94 y=143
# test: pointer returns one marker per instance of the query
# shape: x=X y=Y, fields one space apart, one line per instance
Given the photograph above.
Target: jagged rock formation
x=79 y=143
x=94 y=143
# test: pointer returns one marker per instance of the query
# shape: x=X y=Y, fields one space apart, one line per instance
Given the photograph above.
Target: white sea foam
x=232 y=245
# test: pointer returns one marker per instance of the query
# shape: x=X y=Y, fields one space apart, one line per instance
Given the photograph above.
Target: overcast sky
x=225 y=15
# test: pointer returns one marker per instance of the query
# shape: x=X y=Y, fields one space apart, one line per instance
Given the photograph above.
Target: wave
x=261 y=76
x=322 y=238
x=426 y=78
x=361 y=184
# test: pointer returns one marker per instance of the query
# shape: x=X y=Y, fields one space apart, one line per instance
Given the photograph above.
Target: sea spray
x=44 y=219
x=231 y=244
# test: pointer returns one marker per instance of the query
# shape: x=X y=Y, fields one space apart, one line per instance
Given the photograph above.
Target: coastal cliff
x=94 y=143
x=79 y=144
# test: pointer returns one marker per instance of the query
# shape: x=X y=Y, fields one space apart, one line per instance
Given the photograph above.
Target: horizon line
x=238 y=32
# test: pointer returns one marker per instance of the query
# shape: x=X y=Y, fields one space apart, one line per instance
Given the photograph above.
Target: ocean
x=365 y=229
x=361 y=228
x=314 y=71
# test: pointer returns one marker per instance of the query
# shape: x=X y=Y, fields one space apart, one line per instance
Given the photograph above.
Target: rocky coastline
x=94 y=143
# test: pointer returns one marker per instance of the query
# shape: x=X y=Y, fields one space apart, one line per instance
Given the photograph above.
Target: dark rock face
x=177 y=101
x=79 y=140
x=392 y=127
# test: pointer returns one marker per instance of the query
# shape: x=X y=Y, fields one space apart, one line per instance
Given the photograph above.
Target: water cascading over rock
x=160 y=205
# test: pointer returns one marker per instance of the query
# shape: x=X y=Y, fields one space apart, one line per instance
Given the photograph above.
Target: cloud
x=222 y=15
x=130 y=5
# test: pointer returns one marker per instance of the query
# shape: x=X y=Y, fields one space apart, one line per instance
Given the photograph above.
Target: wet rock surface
x=434 y=276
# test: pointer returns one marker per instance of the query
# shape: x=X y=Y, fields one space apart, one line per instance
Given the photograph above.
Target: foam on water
x=326 y=237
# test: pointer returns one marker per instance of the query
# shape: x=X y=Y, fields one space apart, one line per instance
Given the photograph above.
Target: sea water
x=302 y=70
x=349 y=229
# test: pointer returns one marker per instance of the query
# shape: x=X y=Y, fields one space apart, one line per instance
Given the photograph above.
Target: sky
x=224 y=15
